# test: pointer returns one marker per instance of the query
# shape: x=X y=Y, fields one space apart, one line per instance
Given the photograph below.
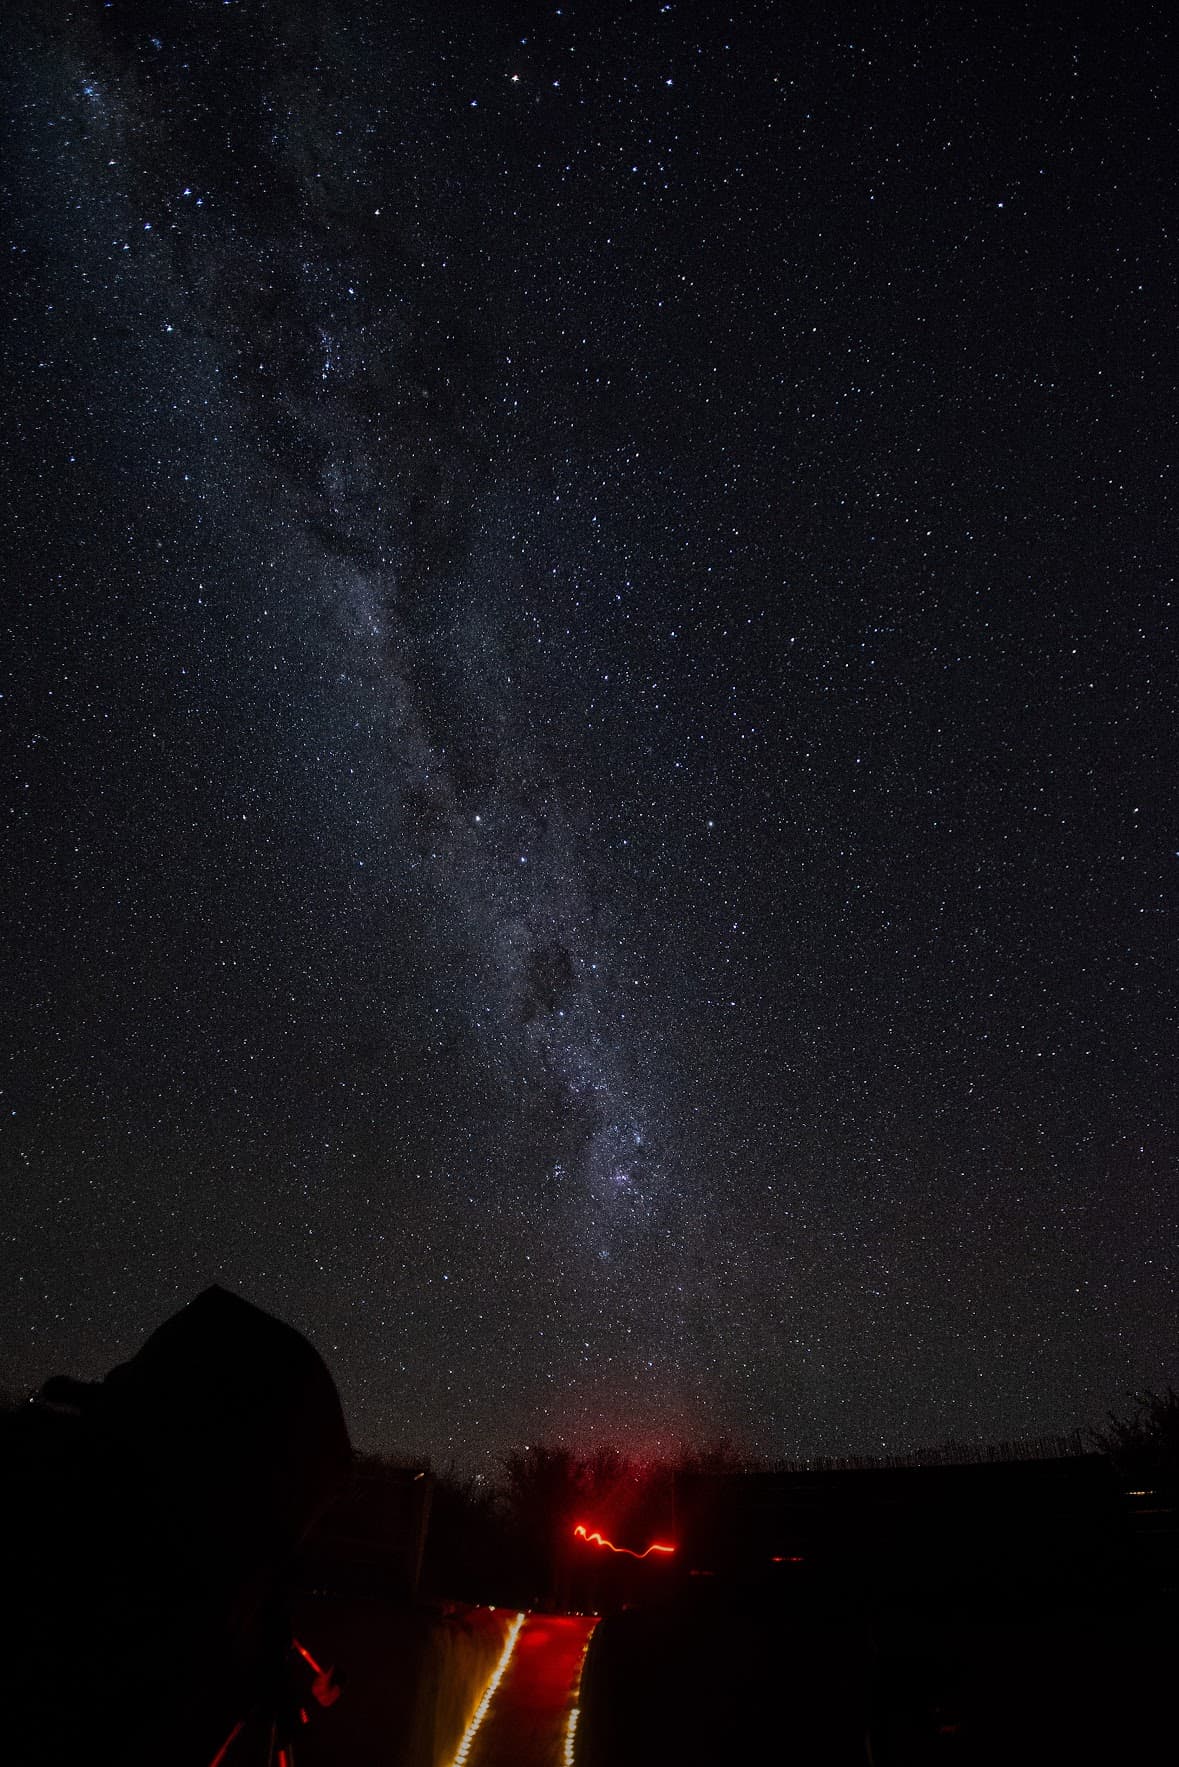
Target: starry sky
x=588 y=723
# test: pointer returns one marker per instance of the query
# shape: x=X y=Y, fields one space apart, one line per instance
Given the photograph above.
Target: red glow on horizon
x=593 y=1538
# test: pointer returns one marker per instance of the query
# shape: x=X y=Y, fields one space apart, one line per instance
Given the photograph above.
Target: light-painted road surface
x=528 y=1720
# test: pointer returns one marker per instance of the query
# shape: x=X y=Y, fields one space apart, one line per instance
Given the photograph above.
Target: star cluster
x=589 y=711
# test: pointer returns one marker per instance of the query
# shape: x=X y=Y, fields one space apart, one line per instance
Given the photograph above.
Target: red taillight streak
x=224 y=1749
x=580 y=1532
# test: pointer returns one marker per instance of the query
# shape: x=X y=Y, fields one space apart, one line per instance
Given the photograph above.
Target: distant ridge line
x=1066 y=1447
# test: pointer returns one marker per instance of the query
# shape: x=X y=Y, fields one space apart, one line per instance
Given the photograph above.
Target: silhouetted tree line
x=506 y=1537
x=1144 y=1446
x=503 y=1537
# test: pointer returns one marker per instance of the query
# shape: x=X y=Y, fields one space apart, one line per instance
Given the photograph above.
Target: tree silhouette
x=1144 y=1447
x=543 y=1488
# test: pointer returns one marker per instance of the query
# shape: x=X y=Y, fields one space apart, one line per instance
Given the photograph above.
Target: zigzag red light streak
x=580 y=1532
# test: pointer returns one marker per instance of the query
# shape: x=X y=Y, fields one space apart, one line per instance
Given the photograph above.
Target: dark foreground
x=190 y=1552
x=730 y=1680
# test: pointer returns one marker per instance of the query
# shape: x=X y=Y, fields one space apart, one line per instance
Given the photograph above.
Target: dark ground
x=727 y=1680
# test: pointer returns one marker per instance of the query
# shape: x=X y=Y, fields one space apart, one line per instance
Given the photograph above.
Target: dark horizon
x=589 y=713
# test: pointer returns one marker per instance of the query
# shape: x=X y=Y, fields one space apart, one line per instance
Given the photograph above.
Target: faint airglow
x=497 y=1674
x=580 y=1532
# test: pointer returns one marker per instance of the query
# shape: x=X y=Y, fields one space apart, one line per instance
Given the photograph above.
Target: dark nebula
x=588 y=710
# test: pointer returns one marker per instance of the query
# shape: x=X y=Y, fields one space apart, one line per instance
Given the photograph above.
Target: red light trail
x=306 y=1656
x=580 y=1532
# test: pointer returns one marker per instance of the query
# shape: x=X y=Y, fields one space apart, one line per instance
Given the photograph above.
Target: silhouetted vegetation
x=1144 y=1447
x=468 y=1549
x=509 y=1538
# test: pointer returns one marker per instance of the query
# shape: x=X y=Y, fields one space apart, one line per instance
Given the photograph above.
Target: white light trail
x=575 y=1712
x=497 y=1674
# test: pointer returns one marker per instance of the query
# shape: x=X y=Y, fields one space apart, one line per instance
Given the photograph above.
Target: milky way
x=591 y=684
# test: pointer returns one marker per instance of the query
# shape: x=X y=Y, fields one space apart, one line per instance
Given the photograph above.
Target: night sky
x=588 y=726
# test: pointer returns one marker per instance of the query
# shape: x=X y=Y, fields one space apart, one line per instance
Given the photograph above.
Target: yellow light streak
x=575 y=1712
x=497 y=1674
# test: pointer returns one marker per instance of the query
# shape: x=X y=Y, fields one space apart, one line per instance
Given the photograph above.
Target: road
x=528 y=1720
